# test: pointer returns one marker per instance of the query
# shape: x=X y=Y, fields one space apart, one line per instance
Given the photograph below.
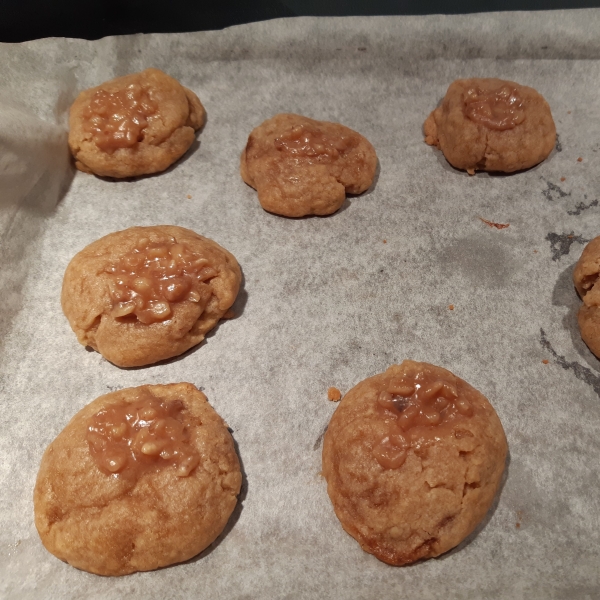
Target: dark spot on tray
x=479 y=260
x=320 y=438
x=582 y=373
x=554 y=191
x=558 y=145
x=579 y=208
x=560 y=243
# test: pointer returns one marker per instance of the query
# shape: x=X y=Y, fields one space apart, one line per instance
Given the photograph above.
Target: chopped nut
x=146 y=280
x=143 y=435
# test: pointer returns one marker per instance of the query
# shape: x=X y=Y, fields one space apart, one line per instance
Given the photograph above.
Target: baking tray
x=325 y=301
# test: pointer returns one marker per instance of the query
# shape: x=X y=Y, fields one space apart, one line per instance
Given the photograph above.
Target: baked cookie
x=302 y=167
x=586 y=277
x=491 y=125
x=133 y=125
x=139 y=479
x=148 y=293
x=413 y=458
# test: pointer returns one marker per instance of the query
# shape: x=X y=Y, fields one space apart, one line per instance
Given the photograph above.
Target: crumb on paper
x=189 y=196
x=568 y=112
x=580 y=159
x=451 y=307
x=385 y=241
x=571 y=236
x=535 y=251
x=496 y=225
x=519 y=519
x=545 y=361
x=334 y=394
x=563 y=178
x=230 y=314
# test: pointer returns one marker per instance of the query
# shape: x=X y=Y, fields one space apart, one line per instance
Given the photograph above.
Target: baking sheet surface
x=326 y=301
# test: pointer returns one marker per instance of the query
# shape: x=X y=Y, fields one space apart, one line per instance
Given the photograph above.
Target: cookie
x=413 y=458
x=303 y=167
x=139 y=479
x=585 y=277
x=491 y=125
x=148 y=293
x=133 y=125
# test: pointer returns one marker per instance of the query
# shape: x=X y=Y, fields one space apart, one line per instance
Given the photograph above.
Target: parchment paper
x=326 y=301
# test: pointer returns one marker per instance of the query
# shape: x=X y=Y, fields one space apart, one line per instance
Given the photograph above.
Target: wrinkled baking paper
x=326 y=301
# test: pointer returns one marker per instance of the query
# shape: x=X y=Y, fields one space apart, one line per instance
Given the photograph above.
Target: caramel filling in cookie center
x=146 y=281
x=145 y=435
x=497 y=109
x=118 y=119
x=308 y=143
x=419 y=407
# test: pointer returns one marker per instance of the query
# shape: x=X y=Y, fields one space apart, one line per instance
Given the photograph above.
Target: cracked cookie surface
x=133 y=125
x=413 y=458
x=146 y=294
x=491 y=125
x=301 y=167
x=586 y=278
x=115 y=524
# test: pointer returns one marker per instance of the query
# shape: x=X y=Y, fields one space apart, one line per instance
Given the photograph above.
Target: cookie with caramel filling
x=148 y=293
x=491 y=125
x=133 y=125
x=139 y=479
x=413 y=458
x=301 y=167
x=586 y=278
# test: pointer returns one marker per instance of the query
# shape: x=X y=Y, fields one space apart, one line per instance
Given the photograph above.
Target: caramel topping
x=145 y=281
x=417 y=409
x=130 y=439
x=118 y=119
x=309 y=143
x=497 y=109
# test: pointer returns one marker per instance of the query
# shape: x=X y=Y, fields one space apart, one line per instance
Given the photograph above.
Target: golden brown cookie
x=413 y=458
x=139 y=479
x=491 y=125
x=133 y=125
x=148 y=293
x=585 y=276
x=302 y=167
